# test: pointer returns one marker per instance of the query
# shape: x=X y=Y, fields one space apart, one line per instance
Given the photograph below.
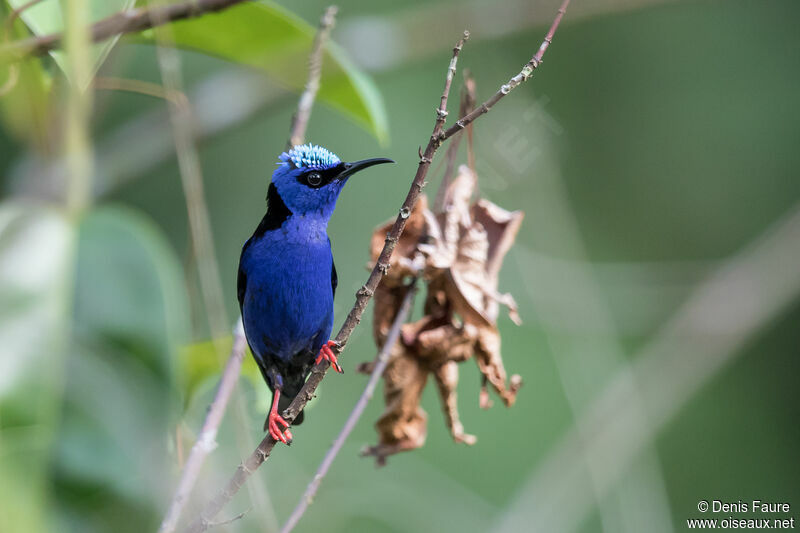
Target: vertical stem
x=206 y=440
x=77 y=145
x=306 y=102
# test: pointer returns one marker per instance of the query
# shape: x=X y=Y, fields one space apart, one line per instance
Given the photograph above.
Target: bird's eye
x=314 y=179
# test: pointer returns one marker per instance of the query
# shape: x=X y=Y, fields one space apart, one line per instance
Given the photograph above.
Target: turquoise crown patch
x=310 y=156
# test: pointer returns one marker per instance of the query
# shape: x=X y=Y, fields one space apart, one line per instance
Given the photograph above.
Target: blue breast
x=287 y=308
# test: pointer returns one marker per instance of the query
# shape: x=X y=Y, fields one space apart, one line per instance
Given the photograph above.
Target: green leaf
x=91 y=321
x=36 y=252
x=26 y=103
x=47 y=17
x=268 y=37
x=120 y=404
x=200 y=364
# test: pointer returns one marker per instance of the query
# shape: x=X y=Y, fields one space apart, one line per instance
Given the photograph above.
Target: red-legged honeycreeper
x=287 y=278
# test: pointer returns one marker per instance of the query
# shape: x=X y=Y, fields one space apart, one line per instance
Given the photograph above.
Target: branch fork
x=439 y=136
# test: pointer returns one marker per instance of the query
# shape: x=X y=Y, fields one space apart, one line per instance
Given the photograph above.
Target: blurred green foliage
x=25 y=105
x=237 y=34
x=44 y=18
x=652 y=144
x=36 y=250
x=199 y=363
x=120 y=399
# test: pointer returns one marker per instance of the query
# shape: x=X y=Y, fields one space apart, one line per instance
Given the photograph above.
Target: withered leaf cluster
x=458 y=253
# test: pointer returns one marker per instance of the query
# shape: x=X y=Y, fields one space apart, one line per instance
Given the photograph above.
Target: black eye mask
x=319 y=178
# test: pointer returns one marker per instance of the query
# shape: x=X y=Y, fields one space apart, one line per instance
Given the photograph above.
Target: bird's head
x=309 y=178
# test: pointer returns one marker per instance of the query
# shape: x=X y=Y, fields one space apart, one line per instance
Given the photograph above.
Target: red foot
x=326 y=353
x=274 y=421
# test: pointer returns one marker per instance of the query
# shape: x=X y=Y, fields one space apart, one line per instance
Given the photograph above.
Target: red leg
x=326 y=353
x=274 y=421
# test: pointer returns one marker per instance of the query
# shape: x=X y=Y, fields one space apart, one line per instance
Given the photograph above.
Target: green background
x=654 y=144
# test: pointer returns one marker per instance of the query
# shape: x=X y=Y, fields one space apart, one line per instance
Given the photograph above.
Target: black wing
x=334 y=276
x=241 y=279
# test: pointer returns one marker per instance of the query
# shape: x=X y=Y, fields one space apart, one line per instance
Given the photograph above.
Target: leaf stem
x=77 y=144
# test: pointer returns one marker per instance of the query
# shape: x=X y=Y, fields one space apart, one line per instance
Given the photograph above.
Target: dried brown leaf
x=405 y=261
x=446 y=377
x=403 y=424
x=501 y=227
x=437 y=340
x=462 y=248
x=490 y=363
x=405 y=252
x=467 y=245
x=459 y=195
x=387 y=301
x=481 y=252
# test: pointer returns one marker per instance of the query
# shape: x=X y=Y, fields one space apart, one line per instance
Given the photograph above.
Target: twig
x=382 y=264
x=470 y=99
x=146 y=88
x=203 y=245
x=231 y=520
x=467 y=105
x=379 y=366
x=128 y=21
x=513 y=83
x=300 y=119
x=8 y=25
x=191 y=174
x=192 y=179
x=205 y=441
x=14 y=15
x=264 y=449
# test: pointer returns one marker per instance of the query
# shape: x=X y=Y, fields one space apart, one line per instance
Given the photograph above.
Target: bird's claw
x=273 y=423
x=327 y=353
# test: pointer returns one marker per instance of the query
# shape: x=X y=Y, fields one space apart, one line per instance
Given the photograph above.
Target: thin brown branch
x=13 y=69
x=206 y=440
x=191 y=174
x=469 y=101
x=146 y=88
x=382 y=264
x=467 y=104
x=15 y=13
x=377 y=371
x=264 y=449
x=510 y=85
x=300 y=119
x=128 y=21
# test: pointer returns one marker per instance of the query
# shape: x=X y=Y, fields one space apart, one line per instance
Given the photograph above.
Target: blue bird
x=287 y=278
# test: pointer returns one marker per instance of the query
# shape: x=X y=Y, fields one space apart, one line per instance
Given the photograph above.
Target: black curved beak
x=356 y=166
